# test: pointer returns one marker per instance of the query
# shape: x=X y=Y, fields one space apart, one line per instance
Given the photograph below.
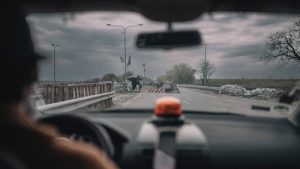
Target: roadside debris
x=259 y=93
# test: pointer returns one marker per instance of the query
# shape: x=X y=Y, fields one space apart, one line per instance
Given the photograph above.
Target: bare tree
x=284 y=46
x=205 y=69
x=181 y=74
x=109 y=77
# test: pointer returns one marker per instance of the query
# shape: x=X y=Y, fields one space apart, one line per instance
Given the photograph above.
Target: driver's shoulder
x=25 y=132
x=39 y=144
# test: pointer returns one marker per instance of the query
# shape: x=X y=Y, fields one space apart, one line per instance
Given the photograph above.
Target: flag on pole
x=129 y=60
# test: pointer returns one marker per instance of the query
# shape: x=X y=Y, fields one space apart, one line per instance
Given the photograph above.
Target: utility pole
x=124 y=30
x=205 y=51
x=205 y=65
x=54 y=71
x=125 y=53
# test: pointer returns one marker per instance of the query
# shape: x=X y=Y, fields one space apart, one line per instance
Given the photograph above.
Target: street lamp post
x=54 y=71
x=124 y=29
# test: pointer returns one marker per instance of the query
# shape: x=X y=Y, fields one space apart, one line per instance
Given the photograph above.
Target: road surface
x=193 y=99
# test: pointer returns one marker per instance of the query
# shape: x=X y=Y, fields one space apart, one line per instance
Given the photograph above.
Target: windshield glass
x=245 y=60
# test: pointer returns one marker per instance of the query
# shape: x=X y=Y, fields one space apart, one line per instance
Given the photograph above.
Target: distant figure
x=135 y=81
x=124 y=86
x=158 y=84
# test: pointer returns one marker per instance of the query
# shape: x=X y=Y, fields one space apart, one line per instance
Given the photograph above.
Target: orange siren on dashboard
x=168 y=106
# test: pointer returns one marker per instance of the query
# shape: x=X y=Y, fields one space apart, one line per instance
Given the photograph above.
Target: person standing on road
x=135 y=82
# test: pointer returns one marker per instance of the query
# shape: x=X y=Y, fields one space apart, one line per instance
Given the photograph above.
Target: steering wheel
x=82 y=128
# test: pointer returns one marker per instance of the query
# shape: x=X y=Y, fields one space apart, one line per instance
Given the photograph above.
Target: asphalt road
x=193 y=99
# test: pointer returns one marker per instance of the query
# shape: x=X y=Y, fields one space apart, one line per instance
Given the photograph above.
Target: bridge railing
x=66 y=97
x=89 y=103
x=63 y=92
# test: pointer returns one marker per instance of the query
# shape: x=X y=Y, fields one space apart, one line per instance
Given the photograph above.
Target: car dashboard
x=212 y=141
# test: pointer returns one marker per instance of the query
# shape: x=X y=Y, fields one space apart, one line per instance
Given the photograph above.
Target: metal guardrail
x=74 y=104
x=206 y=88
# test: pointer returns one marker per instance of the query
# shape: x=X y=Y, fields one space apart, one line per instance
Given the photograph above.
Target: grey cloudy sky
x=89 y=49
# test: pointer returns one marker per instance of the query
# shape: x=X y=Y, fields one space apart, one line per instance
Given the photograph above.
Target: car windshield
x=246 y=60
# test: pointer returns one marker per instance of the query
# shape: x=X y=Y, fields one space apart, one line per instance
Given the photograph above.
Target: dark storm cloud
x=89 y=49
x=224 y=18
x=272 y=20
x=75 y=37
x=255 y=51
x=246 y=68
x=81 y=53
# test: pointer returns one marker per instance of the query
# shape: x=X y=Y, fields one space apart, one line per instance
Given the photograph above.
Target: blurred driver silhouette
x=35 y=145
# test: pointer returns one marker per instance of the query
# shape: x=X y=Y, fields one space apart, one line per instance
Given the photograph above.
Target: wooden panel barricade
x=65 y=91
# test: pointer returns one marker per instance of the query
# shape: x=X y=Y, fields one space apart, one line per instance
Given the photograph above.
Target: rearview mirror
x=168 y=40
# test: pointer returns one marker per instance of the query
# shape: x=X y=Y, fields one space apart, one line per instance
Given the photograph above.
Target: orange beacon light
x=168 y=107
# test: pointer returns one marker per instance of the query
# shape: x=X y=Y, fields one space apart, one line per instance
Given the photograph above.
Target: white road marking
x=185 y=102
x=130 y=101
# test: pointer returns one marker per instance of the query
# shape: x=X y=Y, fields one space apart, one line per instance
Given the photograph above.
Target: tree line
x=118 y=78
x=185 y=74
